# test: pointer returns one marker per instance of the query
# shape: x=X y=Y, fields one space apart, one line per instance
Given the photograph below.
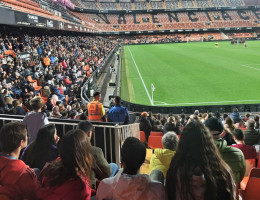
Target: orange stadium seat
x=156 y=133
x=155 y=142
x=250 y=164
x=251 y=191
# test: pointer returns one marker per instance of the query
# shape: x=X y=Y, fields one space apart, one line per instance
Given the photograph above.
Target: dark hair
x=83 y=116
x=117 y=100
x=133 y=154
x=229 y=121
x=238 y=134
x=11 y=135
x=235 y=110
x=85 y=126
x=225 y=115
x=38 y=152
x=197 y=150
x=75 y=162
x=96 y=94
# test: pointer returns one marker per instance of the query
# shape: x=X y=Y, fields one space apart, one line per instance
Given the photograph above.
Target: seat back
x=255 y=172
x=250 y=163
x=156 y=133
x=252 y=189
x=155 y=142
x=142 y=136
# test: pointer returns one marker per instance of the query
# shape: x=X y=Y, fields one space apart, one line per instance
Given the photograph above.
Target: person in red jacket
x=17 y=180
x=67 y=81
x=68 y=178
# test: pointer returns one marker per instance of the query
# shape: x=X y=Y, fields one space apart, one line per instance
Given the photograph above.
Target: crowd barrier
x=107 y=136
x=90 y=83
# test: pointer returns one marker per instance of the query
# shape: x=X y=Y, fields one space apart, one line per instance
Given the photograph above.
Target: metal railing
x=93 y=78
x=107 y=136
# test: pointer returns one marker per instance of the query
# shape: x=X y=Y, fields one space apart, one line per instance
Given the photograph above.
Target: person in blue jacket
x=118 y=113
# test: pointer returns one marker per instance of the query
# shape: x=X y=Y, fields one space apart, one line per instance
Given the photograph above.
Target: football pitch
x=188 y=74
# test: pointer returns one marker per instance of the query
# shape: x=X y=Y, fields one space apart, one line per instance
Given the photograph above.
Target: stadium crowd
x=201 y=153
x=53 y=67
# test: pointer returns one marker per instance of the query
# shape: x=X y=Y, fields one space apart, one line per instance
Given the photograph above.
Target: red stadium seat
x=155 y=142
x=250 y=164
x=142 y=136
x=251 y=191
x=156 y=133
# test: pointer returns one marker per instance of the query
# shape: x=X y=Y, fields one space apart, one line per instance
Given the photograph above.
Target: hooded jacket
x=161 y=160
x=17 y=180
x=233 y=157
x=134 y=187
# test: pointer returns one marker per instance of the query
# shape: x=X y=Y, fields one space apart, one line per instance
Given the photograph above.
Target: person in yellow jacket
x=161 y=158
x=96 y=111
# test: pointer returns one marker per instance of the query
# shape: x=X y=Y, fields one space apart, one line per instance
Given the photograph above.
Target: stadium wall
x=17 y=18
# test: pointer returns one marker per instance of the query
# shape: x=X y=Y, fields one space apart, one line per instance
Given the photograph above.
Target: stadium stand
x=56 y=65
x=170 y=21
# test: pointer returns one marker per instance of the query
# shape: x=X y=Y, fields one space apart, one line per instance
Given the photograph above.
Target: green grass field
x=191 y=74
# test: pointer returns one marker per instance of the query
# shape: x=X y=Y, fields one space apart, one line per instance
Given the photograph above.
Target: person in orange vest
x=96 y=111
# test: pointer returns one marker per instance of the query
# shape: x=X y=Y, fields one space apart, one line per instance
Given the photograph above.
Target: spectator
x=248 y=151
x=229 y=128
x=144 y=124
x=96 y=110
x=235 y=115
x=43 y=149
x=252 y=135
x=100 y=168
x=224 y=118
x=18 y=110
x=241 y=124
x=232 y=156
x=171 y=125
x=118 y=113
x=157 y=126
x=246 y=118
x=197 y=170
x=55 y=112
x=69 y=177
x=256 y=118
x=150 y=117
x=161 y=158
x=17 y=180
x=128 y=184
x=35 y=119
x=58 y=93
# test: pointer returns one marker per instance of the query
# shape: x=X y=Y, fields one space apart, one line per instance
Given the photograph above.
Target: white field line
x=140 y=77
x=248 y=66
x=216 y=102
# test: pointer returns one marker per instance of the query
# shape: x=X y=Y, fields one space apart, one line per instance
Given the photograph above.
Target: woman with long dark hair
x=43 y=149
x=69 y=177
x=229 y=128
x=197 y=171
